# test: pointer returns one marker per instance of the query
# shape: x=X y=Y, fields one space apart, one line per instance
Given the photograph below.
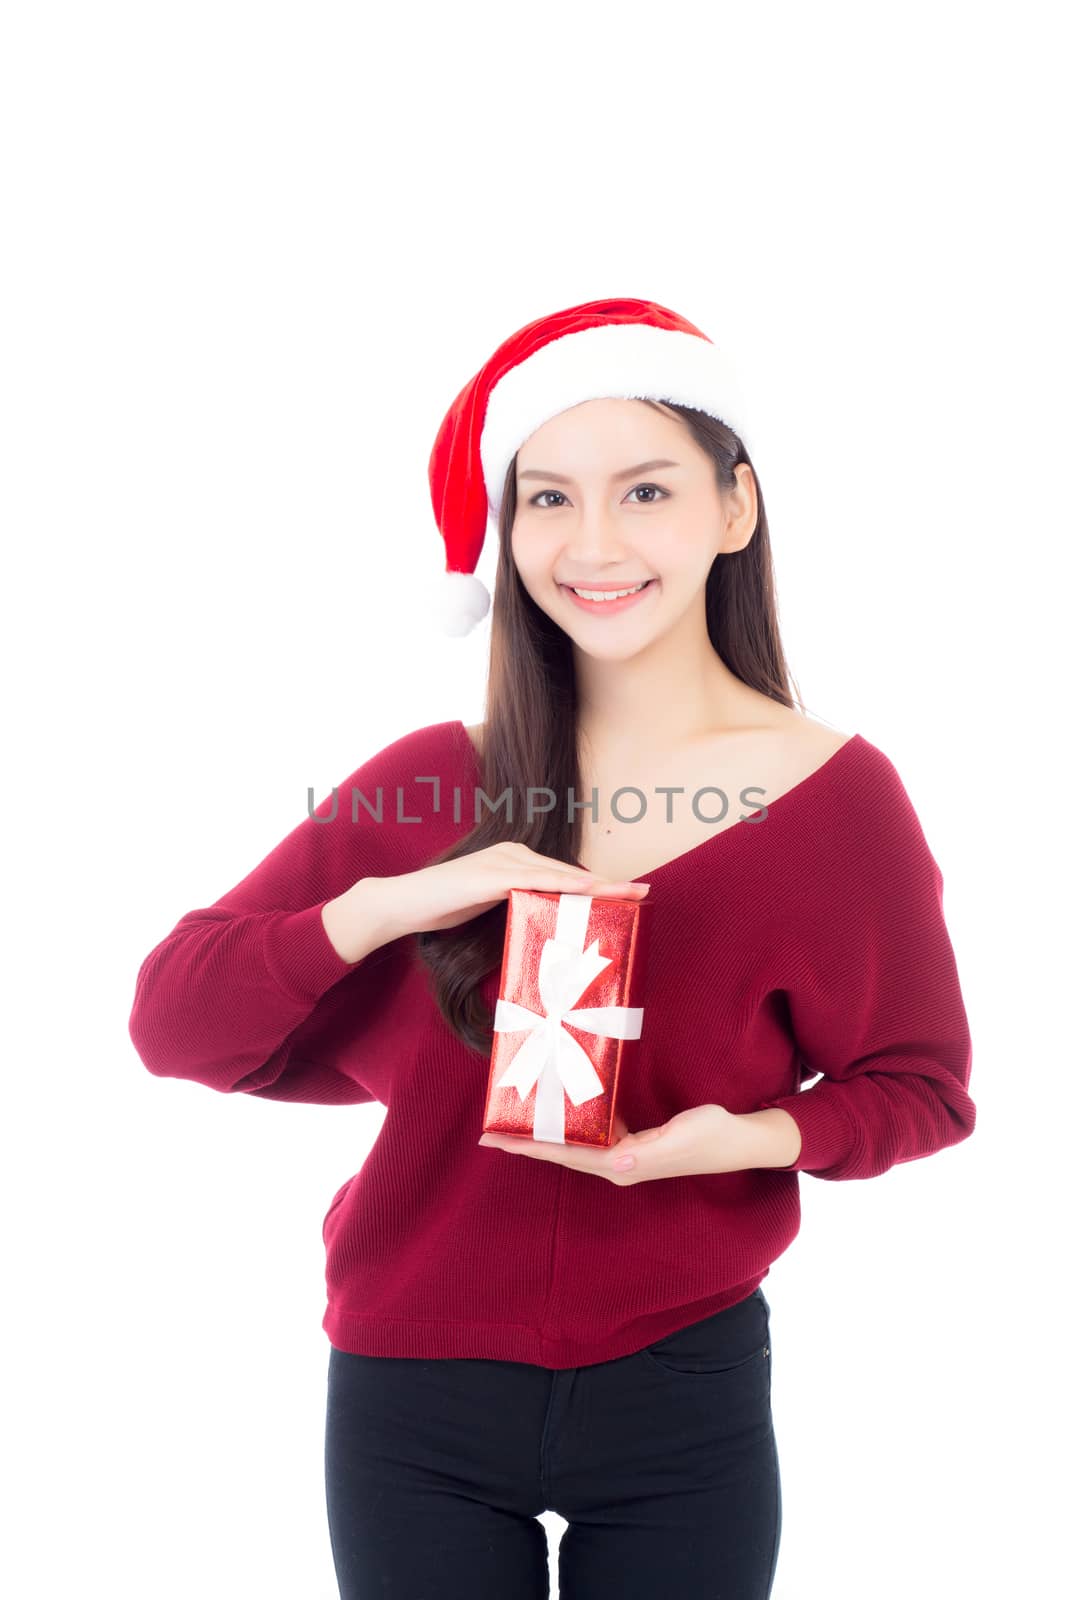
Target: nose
x=594 y=540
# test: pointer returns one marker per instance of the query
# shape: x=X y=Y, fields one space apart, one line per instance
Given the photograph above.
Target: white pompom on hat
x=626 y=349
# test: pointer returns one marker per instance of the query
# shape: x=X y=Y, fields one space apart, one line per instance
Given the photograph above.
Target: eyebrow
x=627 y=472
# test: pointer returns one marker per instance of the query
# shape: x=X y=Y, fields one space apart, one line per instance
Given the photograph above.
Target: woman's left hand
x=701 y=1139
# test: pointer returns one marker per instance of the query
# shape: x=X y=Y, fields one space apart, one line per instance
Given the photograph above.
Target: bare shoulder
x=475 y=733
x=804 y=746
x=820 y=739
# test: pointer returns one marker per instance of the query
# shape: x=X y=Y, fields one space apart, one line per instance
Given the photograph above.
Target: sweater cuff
x=300 y=955
x=828 y=1135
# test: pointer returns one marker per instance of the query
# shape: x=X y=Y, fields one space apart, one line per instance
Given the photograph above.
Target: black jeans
x=663 y=1464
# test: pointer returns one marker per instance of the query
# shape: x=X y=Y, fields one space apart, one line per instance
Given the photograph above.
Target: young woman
x=519 y=1324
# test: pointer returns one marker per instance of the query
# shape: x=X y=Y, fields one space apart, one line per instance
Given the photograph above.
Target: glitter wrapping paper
x=568 y=1015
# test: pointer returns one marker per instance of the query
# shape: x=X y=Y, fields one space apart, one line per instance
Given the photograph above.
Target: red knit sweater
x=810 y=943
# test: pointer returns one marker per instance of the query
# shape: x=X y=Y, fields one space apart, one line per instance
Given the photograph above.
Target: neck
x=676 y=690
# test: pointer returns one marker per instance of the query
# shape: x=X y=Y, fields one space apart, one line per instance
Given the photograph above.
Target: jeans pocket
x=732 y=1341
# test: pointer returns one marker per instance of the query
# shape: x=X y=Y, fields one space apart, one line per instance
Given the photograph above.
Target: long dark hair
x=530 y=728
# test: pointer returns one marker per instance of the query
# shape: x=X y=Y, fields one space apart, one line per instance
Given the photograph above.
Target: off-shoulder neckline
x=801 y=790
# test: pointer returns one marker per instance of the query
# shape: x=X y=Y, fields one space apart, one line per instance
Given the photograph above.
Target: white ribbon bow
x=552 y=1058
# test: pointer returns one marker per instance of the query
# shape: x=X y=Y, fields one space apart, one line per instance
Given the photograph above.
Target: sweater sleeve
x=230 y=997
x=875 y=999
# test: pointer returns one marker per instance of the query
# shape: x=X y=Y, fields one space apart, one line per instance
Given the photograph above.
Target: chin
x=613 y=649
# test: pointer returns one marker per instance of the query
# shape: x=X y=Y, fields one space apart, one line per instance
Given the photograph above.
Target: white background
x=252 y=252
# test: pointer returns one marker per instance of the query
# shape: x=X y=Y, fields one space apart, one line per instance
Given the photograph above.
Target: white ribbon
x=551 y=1058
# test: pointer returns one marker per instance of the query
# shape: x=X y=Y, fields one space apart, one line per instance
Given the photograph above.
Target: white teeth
x=609 y=594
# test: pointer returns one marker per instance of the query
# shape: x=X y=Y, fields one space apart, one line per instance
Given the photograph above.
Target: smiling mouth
x=602 y=596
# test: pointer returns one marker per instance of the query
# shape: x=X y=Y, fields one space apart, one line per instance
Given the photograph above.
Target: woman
x=541 y=1325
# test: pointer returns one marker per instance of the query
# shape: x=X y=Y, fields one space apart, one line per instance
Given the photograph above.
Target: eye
x=664 y=492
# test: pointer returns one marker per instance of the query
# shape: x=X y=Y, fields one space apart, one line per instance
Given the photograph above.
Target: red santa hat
x=630 y=349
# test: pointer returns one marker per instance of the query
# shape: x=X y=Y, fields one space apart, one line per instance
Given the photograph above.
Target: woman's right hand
x=376 y=910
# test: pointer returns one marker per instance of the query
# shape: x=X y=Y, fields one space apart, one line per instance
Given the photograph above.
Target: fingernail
x=623 y=1162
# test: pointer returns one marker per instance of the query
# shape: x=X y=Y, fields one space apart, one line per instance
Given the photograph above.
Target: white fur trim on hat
x=629 y=361
x=464 y=600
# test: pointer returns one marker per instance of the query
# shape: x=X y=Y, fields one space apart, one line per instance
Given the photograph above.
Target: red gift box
x=572 y=969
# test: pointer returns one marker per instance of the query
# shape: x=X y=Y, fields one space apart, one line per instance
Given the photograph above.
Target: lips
x=608 y=607
x=608 y=588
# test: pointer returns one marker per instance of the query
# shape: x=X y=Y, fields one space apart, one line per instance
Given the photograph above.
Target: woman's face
x=585 y=518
